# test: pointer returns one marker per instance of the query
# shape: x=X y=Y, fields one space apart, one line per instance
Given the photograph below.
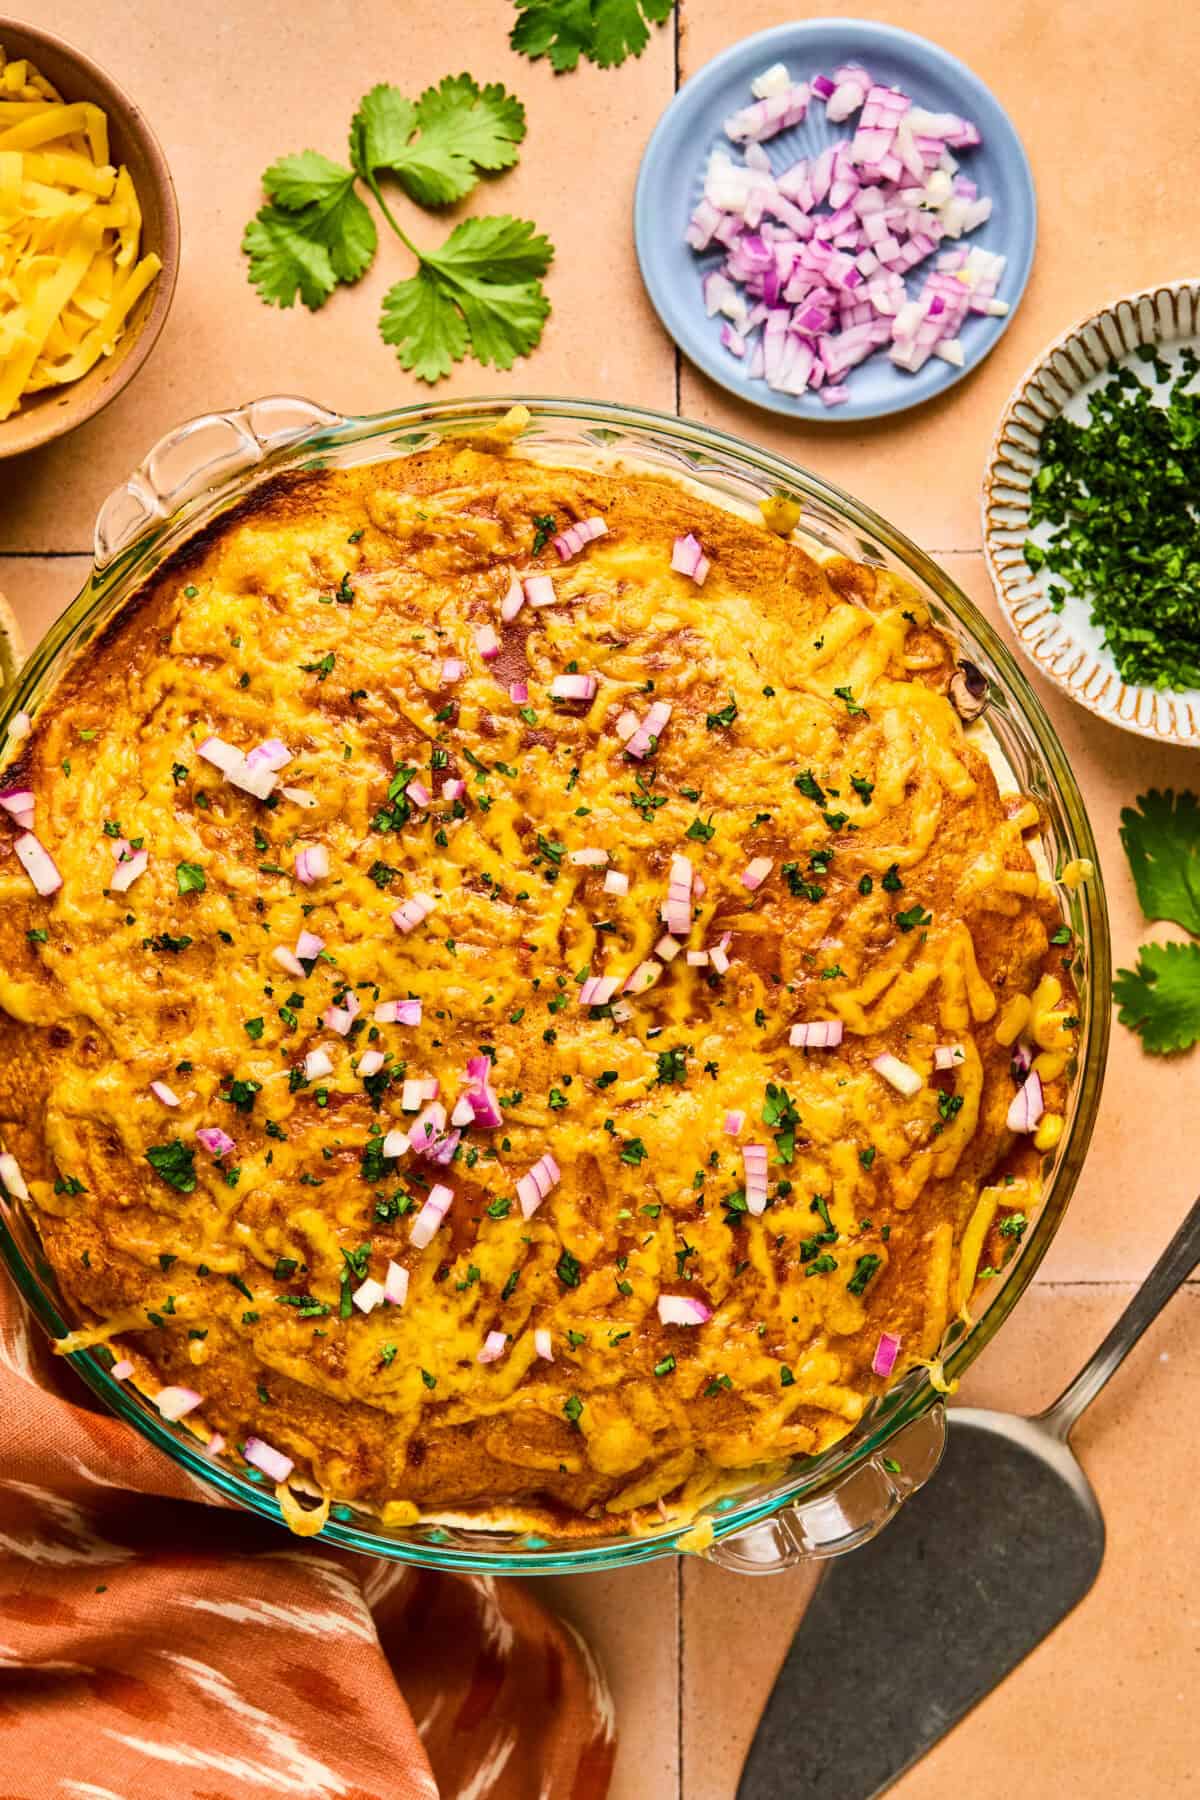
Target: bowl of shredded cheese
x=89 y=238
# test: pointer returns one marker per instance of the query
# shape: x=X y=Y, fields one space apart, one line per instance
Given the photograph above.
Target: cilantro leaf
x=460 y=130
x=284 y=263
x=315 y=232
x=175 y=1162
x=605 y=31
x=1160 y=999
x=480 y=291
x=1162 y=842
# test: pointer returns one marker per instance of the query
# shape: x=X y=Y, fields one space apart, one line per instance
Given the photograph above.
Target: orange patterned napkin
x=153 y=1647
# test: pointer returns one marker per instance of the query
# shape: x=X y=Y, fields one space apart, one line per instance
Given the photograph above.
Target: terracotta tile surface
x=1102 y=232
x=228 y=89
x=1104 y=1706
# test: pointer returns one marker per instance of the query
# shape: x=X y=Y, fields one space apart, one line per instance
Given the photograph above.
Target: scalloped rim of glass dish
x=1069 y=649
x=735 y=472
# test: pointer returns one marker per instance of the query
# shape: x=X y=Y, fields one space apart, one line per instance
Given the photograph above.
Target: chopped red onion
x=687 y=558
x=312 y=864
x=316 y=1064
x=453 y=668
x=19 y=726
x=886 y=1352
x=416 y=1092
x=733 y=1123
x=1028 y=1104
x=494 y=1346
x=697 y=959
x=570 y=542
x=627 y=724
x=128 y=870
x=615 y=882
x=816 y=1034
x=486 y=642
x=11 y=1176
x=427 y=1127
x=598 y=990
x=573 y=687
x=948 y=1056
x=681 y=1309
x=216 y=1444
x=395 y=1284
x=542 y=1344
x=309 y=946
x=217 y=1142
x=273 y=1463
x=254 y=779
x=481 y=1093
x=756 y=873
x=398 y=1012
x=533 y=1187
x=453 y=788
x=678 y=910
x=176 y=1402
x=645 y=738
x=370 y=1062
x=37 y=863
x=588 y=859
x=518 y=692
x=1022 y=1059
x=462 y=1112
x=162 y=1092
x=299 y=796
x=418 y=793
x=341 y=1018
x=416 y=908
x=122 y=1370
x=424 y=1226
x=539 y=590
x=287 y=959
x=667 y=948
x=899 y=1075
x=513 y=601
x=368 y=1295
x=223 y=756
x=643 y=977
x=19 y=802
x=272 y=754
x=394 y=1144
x=718 y=954
x=754 y=1164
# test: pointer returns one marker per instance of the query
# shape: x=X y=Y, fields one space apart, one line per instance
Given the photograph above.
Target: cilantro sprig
x=479 y=292
x=1162 y=841
x=605 y=31
x=1160 y=998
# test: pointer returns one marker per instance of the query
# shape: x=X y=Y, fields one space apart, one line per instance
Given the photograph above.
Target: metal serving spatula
x=905 y=1634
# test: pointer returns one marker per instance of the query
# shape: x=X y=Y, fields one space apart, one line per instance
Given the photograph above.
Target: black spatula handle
x=1170 y=1272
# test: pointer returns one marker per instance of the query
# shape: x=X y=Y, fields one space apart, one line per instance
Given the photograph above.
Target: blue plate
x=672 y=178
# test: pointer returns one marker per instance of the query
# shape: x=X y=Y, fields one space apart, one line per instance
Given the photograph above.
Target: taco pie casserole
x=520 y=994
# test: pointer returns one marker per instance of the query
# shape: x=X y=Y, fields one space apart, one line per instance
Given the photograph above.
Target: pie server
x=905 y=1635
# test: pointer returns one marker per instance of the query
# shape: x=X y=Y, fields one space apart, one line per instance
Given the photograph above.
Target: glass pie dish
x=819 y=1505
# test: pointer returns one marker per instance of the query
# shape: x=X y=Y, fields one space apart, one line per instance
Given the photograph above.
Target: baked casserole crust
x=588 y=877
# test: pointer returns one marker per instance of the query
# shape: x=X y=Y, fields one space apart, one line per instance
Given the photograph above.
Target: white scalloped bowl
x=1067 y=646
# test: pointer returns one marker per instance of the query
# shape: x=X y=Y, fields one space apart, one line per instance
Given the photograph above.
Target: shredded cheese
x=70 y=227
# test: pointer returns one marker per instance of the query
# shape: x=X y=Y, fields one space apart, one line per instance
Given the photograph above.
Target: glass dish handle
x=196 y=457
x=848 y=1514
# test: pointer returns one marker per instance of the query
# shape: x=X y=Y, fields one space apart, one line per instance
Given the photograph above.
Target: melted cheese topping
x=70 y=225
x=809 y=728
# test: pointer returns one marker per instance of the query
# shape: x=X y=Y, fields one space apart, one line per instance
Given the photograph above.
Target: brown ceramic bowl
x=131 y=141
